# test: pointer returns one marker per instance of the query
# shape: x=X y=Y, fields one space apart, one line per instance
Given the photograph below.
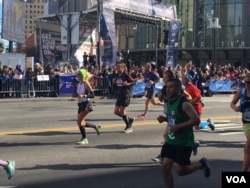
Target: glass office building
x=229 y=42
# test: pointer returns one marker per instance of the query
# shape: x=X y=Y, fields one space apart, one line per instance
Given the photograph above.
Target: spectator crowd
x=10 y=76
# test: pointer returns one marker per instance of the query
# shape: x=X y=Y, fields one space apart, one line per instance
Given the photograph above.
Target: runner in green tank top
x=185 y=136
x=181 y=117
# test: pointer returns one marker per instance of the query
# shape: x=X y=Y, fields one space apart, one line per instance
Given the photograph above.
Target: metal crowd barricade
x=46 y=86
x=10 y=88
x=101 y=84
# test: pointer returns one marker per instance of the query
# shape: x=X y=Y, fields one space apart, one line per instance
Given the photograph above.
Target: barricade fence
x=225 y=86
x=211 y=86
x=102 y=84
x=46 y=86
x=10 y=88
x=68 y=85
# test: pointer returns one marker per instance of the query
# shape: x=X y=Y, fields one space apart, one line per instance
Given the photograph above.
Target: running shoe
x=10 y=169
x=129 y=130
x=98 y=129
x=205 y=167
x=130 y=121
x=211 y=124
x=142 y=116
x=157 y=159
x=195 y=148
x=83 y=142
x=125 y=128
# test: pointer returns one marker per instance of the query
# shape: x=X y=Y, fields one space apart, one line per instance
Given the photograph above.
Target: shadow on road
x=148 y=175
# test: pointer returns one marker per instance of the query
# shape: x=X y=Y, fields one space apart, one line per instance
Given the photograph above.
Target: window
x=230 y=19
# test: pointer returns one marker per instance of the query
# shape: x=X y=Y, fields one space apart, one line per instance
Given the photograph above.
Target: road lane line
x=137 y=123
x=228 y=127
x=225 y=134
x=20 y=132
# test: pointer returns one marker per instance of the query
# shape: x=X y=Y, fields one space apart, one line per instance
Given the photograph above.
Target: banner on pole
x=148 y=7
x=173 y=37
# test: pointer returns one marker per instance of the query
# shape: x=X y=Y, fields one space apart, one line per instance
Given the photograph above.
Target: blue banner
x=139 y=88
x=67 y=84
x=220 y=85
x=109 y=37
x=173 y=38
x=215 y=86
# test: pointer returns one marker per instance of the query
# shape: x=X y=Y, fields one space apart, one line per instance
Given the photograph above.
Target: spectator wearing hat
x=5 y=81
x=30 y=76
x=18 y=76
x=196 y=102
x=194 y=92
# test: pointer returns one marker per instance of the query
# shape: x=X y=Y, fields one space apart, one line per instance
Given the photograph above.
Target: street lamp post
x=214 y=24
x=214 y=45
x=156 y=45
x=98 y=38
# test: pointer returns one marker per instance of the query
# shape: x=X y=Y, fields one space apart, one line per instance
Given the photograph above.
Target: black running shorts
x=123 y=101
x=85 y=106
x=180 y=154
x=150 y=93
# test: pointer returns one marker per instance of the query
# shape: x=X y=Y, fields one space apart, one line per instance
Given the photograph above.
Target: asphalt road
x=40 y=135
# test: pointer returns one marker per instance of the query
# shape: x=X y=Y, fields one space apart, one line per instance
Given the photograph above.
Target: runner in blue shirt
x=149 y=78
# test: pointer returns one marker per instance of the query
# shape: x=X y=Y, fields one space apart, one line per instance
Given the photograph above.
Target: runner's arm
x=235 y=100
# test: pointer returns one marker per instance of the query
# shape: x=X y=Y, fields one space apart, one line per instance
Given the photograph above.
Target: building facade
x=32 y=9
x=229 y=43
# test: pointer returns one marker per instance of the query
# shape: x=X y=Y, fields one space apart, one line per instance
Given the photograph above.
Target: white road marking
x=225 y=125
x=225 y=134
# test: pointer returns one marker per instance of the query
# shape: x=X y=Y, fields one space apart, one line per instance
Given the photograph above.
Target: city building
x=211 y=31
x=32 y=9
x=229 y=42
